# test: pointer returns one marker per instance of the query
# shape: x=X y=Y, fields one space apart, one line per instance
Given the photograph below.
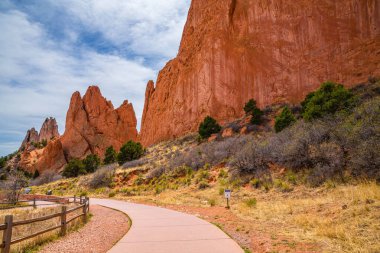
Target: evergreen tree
x=251 y=108
x=285 y=119
x=129 y=152
x=208 y=127
x=91 y=163
x=74 y=168
x=328 y=99
x=110 y=156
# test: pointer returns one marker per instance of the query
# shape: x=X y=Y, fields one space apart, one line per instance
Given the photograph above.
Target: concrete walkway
x=162 y=230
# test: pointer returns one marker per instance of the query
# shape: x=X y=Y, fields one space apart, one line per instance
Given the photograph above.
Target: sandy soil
x=105 y=228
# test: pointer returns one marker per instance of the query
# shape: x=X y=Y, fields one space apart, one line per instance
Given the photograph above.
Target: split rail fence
x=9 y=224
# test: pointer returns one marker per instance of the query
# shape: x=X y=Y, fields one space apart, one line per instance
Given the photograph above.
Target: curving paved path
x=160 y=230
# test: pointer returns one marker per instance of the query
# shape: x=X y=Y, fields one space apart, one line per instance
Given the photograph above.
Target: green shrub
x=202 y=175
x=251 y=108
x=212 y=202
x=223 y=174
x=110 y=155
x=91 y=163
x=285 y=119
x=251 y=202
x=203 y=184
x=129 y=152
x=208 y=127
x=74 y=168
x=112 y=194
x=328 y=99
x=282 y=186
x=255 y=183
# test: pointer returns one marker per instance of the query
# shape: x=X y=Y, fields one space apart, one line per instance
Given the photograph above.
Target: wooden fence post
x=84 y=211
x=80 y=200
x=88 y=204
x=34 y=203
x=63 y=221
x=75 y=199
x=7 y=234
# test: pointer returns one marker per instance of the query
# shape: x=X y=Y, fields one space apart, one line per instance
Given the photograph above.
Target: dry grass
x=337 y=218
x=29 y=213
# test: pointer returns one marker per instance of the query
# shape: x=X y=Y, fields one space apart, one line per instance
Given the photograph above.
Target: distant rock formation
x=49 y=130
x=31 y=136
x=272 y=51
x=92 y=125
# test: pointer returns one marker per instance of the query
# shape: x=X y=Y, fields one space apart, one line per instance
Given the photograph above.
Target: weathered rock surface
x=52 y=157
x=269 y=50
x=92 y=125
x=31 y=136
x=49 y=130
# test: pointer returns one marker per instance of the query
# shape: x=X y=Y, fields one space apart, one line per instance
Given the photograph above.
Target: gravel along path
x=102 y=232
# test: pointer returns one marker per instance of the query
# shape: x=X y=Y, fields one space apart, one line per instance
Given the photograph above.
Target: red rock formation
x=269 y=50
x=52 y=157
x=49 y=130
x=92 y=125
x=31 y=136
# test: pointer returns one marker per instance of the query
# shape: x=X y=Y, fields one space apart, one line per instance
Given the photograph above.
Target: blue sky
x=51 y=48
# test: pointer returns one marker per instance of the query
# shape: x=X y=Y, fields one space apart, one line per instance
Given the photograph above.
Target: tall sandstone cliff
x=92 y=125
x=270 y=50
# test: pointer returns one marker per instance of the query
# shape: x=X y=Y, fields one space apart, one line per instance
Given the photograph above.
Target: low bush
x=135 y=163
x=46 y=177
x=203 y=185
x=208 y=127
x=251 y=202
x=129 y=152
x=252 y=159
x=103 y=177
x=74 y=168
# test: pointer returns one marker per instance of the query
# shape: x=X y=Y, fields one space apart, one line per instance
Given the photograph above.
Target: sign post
x=227 y=195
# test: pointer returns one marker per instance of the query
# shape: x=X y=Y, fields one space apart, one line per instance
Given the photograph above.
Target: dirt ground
x=105 y=228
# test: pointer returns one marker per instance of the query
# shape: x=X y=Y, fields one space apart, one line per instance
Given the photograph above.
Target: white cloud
x=38 y=76
x=148 y=27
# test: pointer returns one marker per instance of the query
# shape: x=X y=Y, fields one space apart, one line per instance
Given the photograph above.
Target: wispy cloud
x=42 y=62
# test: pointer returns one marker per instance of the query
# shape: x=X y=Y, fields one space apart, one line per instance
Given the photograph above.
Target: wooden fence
x=9 y=224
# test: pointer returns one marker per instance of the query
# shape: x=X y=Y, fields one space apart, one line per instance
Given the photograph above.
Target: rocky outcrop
x=272 y=51
x=49 y=130
x=31 y=136
x=92 y=125
x=52 y=157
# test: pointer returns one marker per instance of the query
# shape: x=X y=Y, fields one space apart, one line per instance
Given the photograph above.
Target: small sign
x=27 y=190
x=227 y=194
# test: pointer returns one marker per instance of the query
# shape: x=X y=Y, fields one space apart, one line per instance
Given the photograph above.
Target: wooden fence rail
x=9 y=224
